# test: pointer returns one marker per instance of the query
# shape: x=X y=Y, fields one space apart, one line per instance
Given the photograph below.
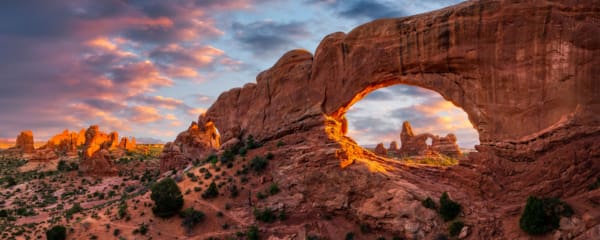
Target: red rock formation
x=380 y=150
x=171 y=158
x=197 y=143
x=96 y=159
x=66 y=142
x=127 y=143
x=525 y=72
x=44 y=154
x=412 y=144
x=24 y=142
x=393 y=147
x=446 y=145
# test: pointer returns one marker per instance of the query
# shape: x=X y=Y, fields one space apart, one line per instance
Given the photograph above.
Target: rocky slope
x=524 y=72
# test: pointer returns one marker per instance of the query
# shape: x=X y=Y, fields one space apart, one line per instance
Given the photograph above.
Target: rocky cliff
x=524 y=72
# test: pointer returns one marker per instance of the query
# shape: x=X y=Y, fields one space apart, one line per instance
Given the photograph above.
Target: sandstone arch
x=503 y=63
x=524 y=72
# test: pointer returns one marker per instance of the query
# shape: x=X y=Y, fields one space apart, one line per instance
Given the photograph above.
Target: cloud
x=144 y=114
x=378 y=95
x=266 y=38
x=159 y=101
x=369 y=10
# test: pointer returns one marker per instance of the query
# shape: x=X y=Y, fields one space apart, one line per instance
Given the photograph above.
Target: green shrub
x=167 y=198
x=243 y=151
x=211 y=192
x=251 y=143
x=142 y=229
x=594 y=185
x=542 y=215
x=227 y=157
x=191 y=217
x=267 y=215
x=429 y=203
x=269 y=156
x=349 y=236
x=74 y=209
x=233 y=191
x=455 y=227
x=449 y=209
x=212 y=159
x=274 y=189
x=258 y=164
x=56 y=233
x=122 y=210
x=252 y=233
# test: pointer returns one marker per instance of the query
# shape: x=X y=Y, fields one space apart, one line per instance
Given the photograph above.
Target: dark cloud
x=362 y=10
x=267 y=37
x=104 y=105
x=369 y=10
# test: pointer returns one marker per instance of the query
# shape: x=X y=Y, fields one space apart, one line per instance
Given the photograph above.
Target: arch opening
x=419 y=125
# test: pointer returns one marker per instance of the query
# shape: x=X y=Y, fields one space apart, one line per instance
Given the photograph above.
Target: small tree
x=449 y=209
x=191 y=217
x=258 y=164
x=167 y=198
x=541 y=216
x=211 y=192
x=57 y=232
x=428 y=203
x=455 y=228
x=252 y=233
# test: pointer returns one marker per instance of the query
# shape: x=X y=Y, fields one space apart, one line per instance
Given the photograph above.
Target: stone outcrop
x=380 y=150
x=24 y=142
x=446 y=145
x=412 y=145
x=44 y=155
x=197 y=143
x=393 y=147
x=128 y=144
x=96 y=158
x=66 y=142
x=523 y=71
x=171 y=158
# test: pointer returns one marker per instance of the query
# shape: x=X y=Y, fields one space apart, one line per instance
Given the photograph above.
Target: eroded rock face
x=446 y=145
x=524 y=72
x=66 y=142
x=410 y=143
x=380 y=150
x=24 y=142
x=96 y=159
x=44 y=154
x=393 y=147
x=197 y=143
x=171 y=158
x=99 y=163
x=127 y=143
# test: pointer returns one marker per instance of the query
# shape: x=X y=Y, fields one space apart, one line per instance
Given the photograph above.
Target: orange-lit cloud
x=144 y=114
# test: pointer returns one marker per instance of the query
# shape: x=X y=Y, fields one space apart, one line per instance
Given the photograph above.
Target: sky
x=147 y=68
